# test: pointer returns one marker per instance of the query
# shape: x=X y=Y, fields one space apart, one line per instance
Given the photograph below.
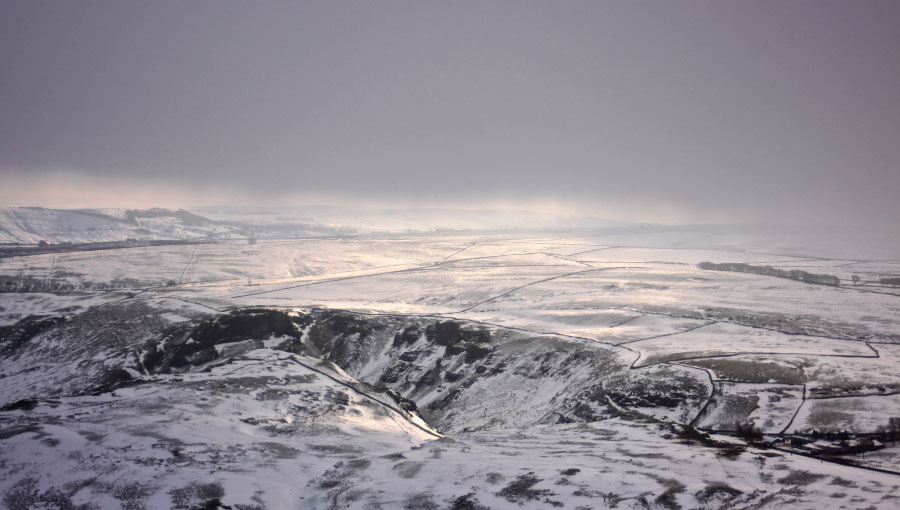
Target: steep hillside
x=466 y=377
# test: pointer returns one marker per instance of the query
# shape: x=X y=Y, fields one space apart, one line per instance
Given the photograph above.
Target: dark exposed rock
x=113 y=378
x=430 y=378
x=182 y=347
x=410 y=356
x=583 y=412
x=452 y=332
x=14 y=336
x=26 y=404
x=453 y=350
x=407 y=336
x=244 y=324
x=394 y=374
x=292 y=345
x=453 y=377
x=302 y=320
x=341 y=337
x=475 y=352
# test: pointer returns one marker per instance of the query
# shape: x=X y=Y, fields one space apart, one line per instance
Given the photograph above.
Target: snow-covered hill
x=30 y=225
x=165 y=405
x=444 y=371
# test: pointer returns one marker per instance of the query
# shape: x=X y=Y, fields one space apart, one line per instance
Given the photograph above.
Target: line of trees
x=794 y=274
x=891 y=432
x=26 y=284
x=892 y=282
x=747 y=431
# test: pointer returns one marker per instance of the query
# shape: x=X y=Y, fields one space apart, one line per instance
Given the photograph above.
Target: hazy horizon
x=698 y=112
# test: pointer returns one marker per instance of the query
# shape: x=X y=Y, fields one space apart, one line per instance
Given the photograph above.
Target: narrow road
x=190 y=262
x=50 y=273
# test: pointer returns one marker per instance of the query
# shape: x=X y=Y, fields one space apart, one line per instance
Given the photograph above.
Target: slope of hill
x=30 y=225
x=445 y=371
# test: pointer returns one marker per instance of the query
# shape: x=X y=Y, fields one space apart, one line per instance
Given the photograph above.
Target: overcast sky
x=656 y=111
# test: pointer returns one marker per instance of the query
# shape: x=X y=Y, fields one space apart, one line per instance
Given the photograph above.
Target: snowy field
x=583 y=351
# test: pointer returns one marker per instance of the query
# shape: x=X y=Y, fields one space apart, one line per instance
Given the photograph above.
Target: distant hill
x=31 y=225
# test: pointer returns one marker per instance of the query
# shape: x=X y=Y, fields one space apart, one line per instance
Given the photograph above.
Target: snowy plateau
x=303 y=359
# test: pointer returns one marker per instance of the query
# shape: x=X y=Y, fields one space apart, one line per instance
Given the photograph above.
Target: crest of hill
x=31 y=225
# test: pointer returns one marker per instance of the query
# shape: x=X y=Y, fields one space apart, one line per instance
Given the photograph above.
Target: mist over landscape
x=449 y=255
x=656 y=112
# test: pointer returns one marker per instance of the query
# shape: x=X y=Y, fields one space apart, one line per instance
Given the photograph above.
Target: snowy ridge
x=30 y=225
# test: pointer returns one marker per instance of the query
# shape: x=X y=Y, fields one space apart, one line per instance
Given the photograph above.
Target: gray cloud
x=722 y=110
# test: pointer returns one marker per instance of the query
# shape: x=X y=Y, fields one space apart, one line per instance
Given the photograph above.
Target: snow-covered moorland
x=492 y=370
